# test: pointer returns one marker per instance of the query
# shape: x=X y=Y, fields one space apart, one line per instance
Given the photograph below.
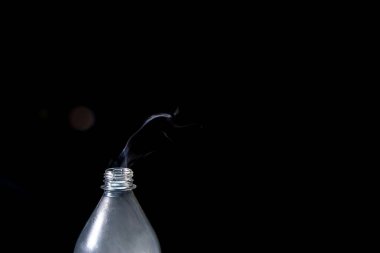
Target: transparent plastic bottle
x=118 y=224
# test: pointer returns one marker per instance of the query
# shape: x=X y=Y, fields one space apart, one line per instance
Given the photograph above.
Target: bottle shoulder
x=118 y=224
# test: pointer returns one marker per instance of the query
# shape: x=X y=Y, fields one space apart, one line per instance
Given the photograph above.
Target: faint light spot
x=82 y=118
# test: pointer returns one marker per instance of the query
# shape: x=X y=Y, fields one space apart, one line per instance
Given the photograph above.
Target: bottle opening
x=118 y=179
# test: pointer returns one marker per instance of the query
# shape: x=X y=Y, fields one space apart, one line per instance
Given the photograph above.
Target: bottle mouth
x=118 y=179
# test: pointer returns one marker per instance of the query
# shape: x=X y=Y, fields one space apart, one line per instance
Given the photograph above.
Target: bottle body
x=118 y=225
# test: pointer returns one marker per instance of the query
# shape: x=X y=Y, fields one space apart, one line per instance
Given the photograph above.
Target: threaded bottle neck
x=118 y=179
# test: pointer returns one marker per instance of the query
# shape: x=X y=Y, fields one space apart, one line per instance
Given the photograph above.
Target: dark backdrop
x=241 y=180
x=239 y=175
x=53 y=159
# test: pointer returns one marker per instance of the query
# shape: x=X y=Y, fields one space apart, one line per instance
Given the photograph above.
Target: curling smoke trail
x=157 y=132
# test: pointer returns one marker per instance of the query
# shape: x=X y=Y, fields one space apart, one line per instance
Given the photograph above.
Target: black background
x=236 y=177
x=51 y=172
x=237 y=183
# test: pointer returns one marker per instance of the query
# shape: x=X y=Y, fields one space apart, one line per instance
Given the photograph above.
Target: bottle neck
x=118 y=180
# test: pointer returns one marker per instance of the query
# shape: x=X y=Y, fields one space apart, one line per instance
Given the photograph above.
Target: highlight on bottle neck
x=118 y=179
